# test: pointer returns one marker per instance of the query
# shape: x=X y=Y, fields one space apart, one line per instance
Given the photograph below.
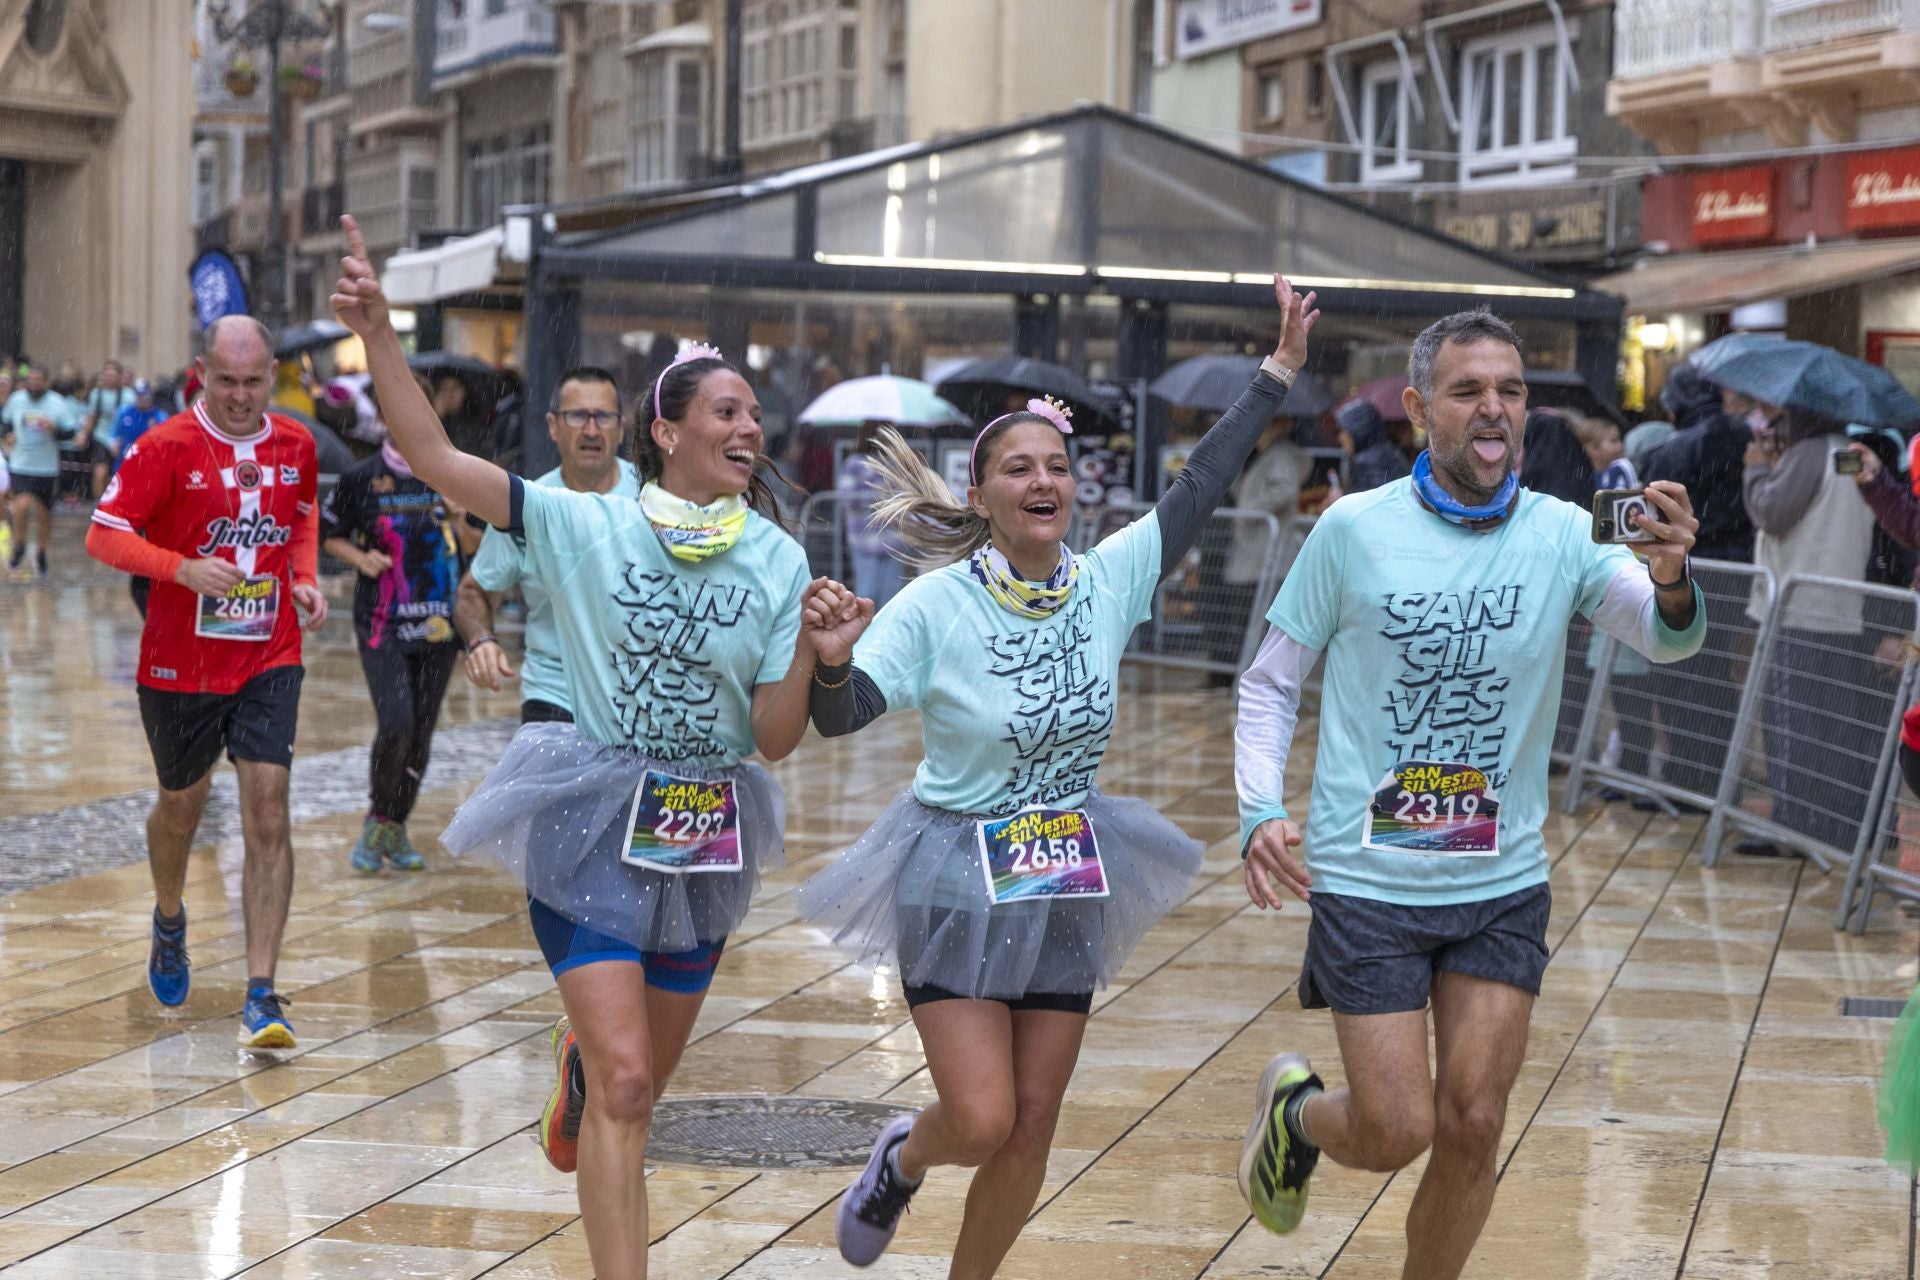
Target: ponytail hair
x=937 y=528
x=675 y=393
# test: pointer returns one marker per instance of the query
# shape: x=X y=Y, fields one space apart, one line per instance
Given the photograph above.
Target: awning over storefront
x=466 y=265
x=1723 y=281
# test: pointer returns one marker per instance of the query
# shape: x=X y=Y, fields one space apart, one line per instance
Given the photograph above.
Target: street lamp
x=266 y=24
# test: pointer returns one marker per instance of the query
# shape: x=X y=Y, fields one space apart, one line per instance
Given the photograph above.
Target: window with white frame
x=666 y=118
x=506 y=169
x=800 y=60
x=1271 y=96
x=1386 y=123
x=1516 y=126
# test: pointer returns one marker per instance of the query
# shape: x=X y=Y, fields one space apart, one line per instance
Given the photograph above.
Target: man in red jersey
x=217 y=506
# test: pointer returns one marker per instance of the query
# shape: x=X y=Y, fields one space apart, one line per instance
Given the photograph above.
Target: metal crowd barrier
x=1203 y=620
x=1887 y=858
x=1816 y=728
x=1672 y=723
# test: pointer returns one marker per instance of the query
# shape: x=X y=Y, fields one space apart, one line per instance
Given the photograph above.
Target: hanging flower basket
x=242 y=79
x=302 y=82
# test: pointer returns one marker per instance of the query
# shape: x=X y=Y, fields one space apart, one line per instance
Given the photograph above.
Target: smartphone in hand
x=1617 y=514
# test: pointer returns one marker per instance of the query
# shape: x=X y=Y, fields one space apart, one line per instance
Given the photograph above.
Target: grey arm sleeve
x=1210 y=469
x=851 y=707
x=1778 y=496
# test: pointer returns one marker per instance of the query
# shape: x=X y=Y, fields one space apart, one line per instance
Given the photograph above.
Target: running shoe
x=1274 y=1169
x=263 y=1023
x=560 y=1122
x=367 y=849
x=871 y=1208
x=6 y=541
x=168 y=973
x=399 y=849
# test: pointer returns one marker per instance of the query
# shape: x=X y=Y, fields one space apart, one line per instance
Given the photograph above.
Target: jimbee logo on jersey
x=248 y=531
x=247 y=476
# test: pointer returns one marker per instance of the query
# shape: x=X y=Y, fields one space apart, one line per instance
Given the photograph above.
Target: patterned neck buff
x=691 y=532
x=1443 y=504
x=1015 y=594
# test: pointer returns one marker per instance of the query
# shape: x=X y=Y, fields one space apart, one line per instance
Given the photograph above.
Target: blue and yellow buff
x=1443 y=504
x=1015 y=594
x=689 y=531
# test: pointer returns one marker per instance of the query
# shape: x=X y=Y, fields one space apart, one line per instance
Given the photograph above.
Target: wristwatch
x=1684 y=580
x=1278 y=372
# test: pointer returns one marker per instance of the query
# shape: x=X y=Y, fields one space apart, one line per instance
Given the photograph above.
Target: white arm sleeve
x=1269 y=710
x=1630 y=615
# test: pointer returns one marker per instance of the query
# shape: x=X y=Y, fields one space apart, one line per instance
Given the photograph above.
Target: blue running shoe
x=366 y=851
x=263 y=1024
x=168 y=974
x=400 y=851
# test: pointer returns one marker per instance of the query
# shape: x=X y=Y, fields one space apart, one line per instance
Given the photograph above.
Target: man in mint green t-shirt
x=1440 y=604
x=587 y=429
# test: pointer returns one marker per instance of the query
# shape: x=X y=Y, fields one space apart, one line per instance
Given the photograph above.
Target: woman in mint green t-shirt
x=1004 y=885
x=640 y=829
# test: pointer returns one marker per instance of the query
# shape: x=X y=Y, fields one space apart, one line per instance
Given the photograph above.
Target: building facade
x=96 y=137
x=1786 y=200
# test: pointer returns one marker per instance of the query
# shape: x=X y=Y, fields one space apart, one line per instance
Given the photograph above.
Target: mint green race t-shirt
x=660 y=654
x=1447 y=647
x=1014 y=711
x=502 y=562
x=37 y=426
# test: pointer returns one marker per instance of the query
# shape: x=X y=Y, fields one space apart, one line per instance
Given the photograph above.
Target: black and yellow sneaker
x=1274 y=1165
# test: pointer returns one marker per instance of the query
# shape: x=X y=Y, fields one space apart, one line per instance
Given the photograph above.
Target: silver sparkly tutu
x=554 y=812
x=910 y=894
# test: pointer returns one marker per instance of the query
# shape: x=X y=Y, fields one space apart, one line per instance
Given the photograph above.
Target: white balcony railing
x=488 y=30
x=1800 y=24
x=1658 y=37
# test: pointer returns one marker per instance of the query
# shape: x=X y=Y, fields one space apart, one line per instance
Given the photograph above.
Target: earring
x=669 y=451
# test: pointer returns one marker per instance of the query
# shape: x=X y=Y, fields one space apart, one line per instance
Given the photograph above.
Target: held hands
x=831 y=619
x=1298 y=315
x=487 y=666
x=1667 y=558
x=1273 y=864
x=358 y=301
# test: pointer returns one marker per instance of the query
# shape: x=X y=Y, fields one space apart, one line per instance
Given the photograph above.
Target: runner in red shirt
x=217 y=506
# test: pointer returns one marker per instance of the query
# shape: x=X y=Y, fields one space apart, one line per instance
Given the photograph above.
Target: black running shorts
x=44 y=490
x=1080 y=1002
x=1366 y=957
x=187 y=730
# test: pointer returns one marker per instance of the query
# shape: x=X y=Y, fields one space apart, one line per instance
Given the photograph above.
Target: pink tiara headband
x=698 y=351
x=1045 y=407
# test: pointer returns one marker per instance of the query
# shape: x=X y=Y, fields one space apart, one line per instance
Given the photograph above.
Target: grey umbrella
x=1805 y=375
x=980 y=388
x=1213 y=382
x=297 y=338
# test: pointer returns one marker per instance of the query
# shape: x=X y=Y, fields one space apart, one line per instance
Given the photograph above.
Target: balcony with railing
x=1660 y=37
x=1803 y=24
x=481 y=33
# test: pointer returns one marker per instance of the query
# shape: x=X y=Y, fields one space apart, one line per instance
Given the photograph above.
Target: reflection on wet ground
x=1692 y=1102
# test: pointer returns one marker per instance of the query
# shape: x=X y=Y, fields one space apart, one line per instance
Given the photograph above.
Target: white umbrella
x=904 y=402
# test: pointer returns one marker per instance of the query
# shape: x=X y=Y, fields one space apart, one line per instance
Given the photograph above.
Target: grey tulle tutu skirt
x=555 y=810
x=911 y=894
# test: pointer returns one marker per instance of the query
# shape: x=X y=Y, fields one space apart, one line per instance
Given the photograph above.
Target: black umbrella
x=330 y=451
x=431 y=362
x=299 y=338
x=1568 y=391
x=1212 y=383
x=980 y=389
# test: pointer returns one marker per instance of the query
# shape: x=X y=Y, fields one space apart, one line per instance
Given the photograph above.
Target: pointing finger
x=356 y=243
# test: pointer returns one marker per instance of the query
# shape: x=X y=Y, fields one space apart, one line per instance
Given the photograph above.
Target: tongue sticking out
x=1488 y=449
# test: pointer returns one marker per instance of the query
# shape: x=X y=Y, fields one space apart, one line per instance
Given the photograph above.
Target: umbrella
x=298 y=338
x=904 y=402
x=1212 y=383
x=1385 y=395
x=1807 y=376
x=330 y=451
x=1567 y=390
x=980 y=387
x=451 y=362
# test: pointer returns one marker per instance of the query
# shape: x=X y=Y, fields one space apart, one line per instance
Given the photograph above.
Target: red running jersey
x=189 y=487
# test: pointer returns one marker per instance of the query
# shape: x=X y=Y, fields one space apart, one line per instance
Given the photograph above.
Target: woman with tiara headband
x=640 y=830
x=1004 y=885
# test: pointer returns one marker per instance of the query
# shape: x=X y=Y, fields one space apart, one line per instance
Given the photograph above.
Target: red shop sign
x=1883 y=189
x=1732 y=205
